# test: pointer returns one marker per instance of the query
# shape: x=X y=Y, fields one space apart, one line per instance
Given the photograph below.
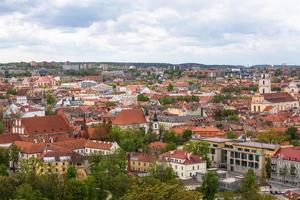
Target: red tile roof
x=30 y=147
x=288 y=153
x=143 y=157
x=279 y=97
x=157 y=145
x=129 y=117
x=188 y=158
x=291 y=195
x=46 y=124
x=9 y=138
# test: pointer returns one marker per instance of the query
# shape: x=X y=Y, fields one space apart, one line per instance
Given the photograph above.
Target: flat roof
x=257 y=145
x=215 y=139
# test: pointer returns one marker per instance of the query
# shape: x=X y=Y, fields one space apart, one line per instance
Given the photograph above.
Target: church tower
x=264 y=84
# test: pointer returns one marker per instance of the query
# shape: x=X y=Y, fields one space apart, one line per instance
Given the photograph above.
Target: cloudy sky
x=176 y=31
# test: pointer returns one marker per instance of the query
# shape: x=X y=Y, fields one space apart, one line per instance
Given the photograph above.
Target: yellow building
x=140 y=162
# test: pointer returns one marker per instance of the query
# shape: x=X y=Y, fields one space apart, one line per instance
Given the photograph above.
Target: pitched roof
x=143 y=157
x=30 y=147
x=9 y=138
x=129 y=117
x=279 y=97
x=46 y=124
x=288 y=153
x=157 y=145
x=188 y=158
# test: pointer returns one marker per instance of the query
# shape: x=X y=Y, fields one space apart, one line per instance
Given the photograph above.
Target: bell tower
x=264 y=84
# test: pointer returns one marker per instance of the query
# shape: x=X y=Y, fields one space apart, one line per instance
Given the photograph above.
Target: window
x=237 y=162
x=213 y=151
x=237 y=155
x=250 y=157
x=231 y=161
x=244 y=163
x=244 y=156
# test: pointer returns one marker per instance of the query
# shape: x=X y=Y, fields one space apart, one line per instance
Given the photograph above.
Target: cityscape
x=149 y=100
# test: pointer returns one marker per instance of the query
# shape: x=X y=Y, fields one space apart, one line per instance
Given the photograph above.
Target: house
x=30 y=149
x=140 y=162
x=85 y=147
x=42 y=129
x=185 y=164
x=286 y=166
x=131 y=118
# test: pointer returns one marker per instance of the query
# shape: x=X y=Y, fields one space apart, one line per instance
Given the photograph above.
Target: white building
x=185 y=164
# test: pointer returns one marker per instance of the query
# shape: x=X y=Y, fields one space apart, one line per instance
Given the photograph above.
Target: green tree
x=170 y=87
x=75 y=190
x=4 y=156
x=163 y=173
x=71 y=172
x=160 y=192
x=1 y=128
x=3 y=170
x=249 y=187
x=209 y=186
x=187 y=134
x=292 y=132
x=26 y=192
x=230 y=135
x=268 y=168
x=199 y=148
x=31 y=165
x=142 y=97
x=14 y=155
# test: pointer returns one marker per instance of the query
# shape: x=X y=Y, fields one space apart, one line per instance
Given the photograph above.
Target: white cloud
x=204 y=31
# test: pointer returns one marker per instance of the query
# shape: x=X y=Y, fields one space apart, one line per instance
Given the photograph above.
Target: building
x=266 y=100
x=140 y=162
x=42 y=129
x=131 y=118
x=264 y=84
x=280 y=101
x=185 y=164
x=286 y=166
x=242 y=156
x=239 y=155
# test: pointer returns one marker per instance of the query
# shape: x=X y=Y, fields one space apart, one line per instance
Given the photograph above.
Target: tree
x=4 y=156
x=142 y=97
x=3 y=170
x=170 y=87
x=1 y=128
x=14 y=156
x=273 y=137
x=50 y=100
x=75 y=190
x=187 y=135
x=200 y=148
x=249 y=187
x=25 y=191
x=230 y=135
x=292 y=132
x=163 y=173
x=210 y=185
x=161 y=191
x=71 y=172
x=169 y=136
x=31 y=165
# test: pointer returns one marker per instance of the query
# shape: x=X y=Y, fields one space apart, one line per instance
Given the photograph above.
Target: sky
x=173 y=31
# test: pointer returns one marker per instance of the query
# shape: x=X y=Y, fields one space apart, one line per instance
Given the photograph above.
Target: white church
x=266 y=100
